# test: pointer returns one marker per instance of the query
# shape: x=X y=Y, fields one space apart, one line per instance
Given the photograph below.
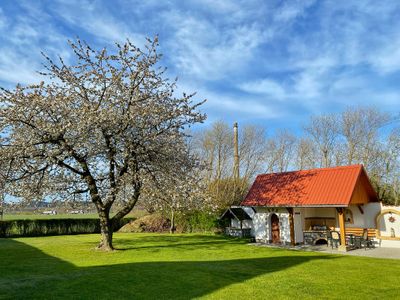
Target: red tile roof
x=316 y=187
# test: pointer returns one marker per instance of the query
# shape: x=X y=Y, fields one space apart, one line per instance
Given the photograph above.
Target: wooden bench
x=359 y=231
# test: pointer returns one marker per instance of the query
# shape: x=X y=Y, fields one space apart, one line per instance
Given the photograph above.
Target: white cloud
x=222 y=6
x=234 y=105
x=14 y=68
x=223 y=104
x=94 y=19
x=387 y=58
x=291 y=10
x=3 y=19
x=202 y=50
x=21 y=43
x=308 y=84
x=265 y=86
x=309 y=54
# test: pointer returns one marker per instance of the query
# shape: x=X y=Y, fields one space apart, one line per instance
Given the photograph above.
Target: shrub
x=21 y=228
x=197 y=221
x=150 y=223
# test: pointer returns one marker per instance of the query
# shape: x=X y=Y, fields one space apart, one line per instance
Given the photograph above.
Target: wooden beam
x=341 y=212
x=361 y=209
x=291 y=225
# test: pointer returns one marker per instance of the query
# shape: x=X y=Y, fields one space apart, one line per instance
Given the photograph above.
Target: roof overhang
x=238 y=215
x=298 y=206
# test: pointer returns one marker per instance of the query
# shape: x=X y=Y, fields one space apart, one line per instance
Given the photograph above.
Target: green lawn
x=155 y=266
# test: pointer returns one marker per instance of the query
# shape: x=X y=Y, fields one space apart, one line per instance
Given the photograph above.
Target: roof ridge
x=315 y=169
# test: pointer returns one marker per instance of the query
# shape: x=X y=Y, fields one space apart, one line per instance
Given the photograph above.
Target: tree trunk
x=172 y=227
x=106 y=230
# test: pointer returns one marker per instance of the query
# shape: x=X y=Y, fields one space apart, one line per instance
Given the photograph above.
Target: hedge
x=21 y=228
x=197 y=221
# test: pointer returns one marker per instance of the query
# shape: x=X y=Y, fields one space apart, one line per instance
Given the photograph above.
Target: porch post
x=342 y=227
x=291 y=225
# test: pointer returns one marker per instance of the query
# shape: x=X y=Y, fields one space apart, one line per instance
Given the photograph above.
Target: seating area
x=360 y=231
x=356 y=238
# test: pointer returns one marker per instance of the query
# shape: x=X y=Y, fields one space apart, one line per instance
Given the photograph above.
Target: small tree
x=226 y=192
x=99 y=127
x=179 y=191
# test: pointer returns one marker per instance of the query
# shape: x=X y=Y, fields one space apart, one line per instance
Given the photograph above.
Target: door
x=275 y=229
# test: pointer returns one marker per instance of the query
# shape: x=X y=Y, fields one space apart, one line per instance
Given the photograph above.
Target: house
x=300 y=206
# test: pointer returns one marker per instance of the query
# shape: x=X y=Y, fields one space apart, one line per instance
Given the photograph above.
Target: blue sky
x=264 y=62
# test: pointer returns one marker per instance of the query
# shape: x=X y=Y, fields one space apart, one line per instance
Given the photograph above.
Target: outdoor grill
x=316 y=232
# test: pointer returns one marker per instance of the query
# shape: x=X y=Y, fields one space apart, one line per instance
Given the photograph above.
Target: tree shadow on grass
x=189 y=242
x=28 y=272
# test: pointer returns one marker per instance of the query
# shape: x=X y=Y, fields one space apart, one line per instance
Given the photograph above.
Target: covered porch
x=314 y=226
x=345 y=228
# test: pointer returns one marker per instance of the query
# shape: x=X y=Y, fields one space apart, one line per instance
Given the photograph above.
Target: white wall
x=298 y=224
x=259 y=225
x=359 y=219
x=371 y=210
x=367 y=219
x=262 y=224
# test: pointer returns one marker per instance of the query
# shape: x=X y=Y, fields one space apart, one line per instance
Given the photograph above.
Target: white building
x=304 y=206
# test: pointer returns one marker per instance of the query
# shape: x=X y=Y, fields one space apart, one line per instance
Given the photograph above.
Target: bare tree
x=385 y=168
x=215 y=146
x=324 y=131
x=100 y=127
x=305 y=154
x=252 y=143
x=279 y=151
x=359 y=126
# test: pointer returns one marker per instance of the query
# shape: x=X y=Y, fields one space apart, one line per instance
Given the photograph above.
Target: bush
x=149 y=223
x=197 y=221
x=21 y=228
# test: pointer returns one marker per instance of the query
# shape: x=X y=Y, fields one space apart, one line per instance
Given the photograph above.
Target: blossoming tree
x=101 y=126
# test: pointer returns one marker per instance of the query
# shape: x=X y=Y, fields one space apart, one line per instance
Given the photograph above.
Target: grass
x=155 y=266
